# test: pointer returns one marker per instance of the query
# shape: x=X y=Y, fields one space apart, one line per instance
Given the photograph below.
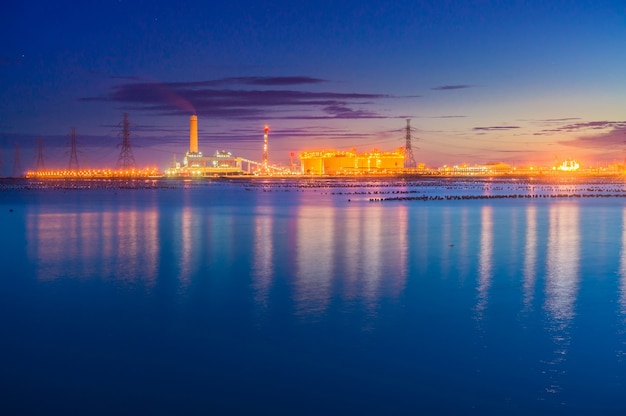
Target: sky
x=521 y=82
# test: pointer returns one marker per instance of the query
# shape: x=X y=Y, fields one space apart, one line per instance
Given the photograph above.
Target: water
x=313 y=297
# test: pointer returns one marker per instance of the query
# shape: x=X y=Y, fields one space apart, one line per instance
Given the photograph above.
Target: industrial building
x=333 y=162
x=196 y=164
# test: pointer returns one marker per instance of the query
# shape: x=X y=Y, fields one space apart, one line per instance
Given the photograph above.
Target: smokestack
x=193 y=134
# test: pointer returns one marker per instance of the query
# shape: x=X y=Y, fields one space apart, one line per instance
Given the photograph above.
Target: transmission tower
x=17 y=167
x=40 y=164
x=126 y=160
x=73 y=165
x=409 y=159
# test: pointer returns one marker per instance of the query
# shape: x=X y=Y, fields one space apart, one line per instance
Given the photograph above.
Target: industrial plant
x=324 y=162
x=195 y=164
x=332 y=162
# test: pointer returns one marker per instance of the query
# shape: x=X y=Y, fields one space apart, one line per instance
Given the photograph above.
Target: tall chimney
x=193 y=134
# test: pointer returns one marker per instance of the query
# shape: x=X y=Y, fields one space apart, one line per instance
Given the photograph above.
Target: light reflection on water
x=315 y=266
x=413 y=271
x=485 y=266
x=561 y=285
x=187 y=247
x=622 y=266
x=562 y=264
x=263 y=266
x=122 y=245
x=621 y=350
x=530 y=256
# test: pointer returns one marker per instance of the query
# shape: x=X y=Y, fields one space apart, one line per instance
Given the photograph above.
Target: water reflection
x=358 y=254
x=530 y=256
x=622 y=266
x=315 y=259
x=186 y=247
x=562 y=263
x=263 y=257
x=463 y=262
x=373 y=233
x=485 y=259
x=112 y=245
x=446 y=225
x=621 y=350
x=399 y=276
x=561 y=284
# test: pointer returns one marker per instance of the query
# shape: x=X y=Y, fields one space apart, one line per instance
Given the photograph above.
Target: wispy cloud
x=584 y=126
x=452 y=87
x=214 y=98
x=495 y=128
x=615 y=138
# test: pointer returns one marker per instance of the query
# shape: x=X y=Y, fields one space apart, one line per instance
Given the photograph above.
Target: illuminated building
x=196 y=164
x=493 y=168
x=94 y=174
x=333 y=162
x=569 y=166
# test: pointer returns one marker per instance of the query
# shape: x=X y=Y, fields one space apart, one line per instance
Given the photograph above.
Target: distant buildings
x=333 y=162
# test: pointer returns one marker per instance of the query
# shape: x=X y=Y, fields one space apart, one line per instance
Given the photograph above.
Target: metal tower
x=126 y=160
x=40 y=164
x=17 y=167
x=73 y=165
x=409 y=159
x=265 y=155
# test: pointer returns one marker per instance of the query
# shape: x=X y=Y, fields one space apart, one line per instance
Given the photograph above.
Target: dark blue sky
x=517 y=81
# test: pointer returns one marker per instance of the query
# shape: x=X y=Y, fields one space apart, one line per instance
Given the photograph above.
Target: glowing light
x=569 y=166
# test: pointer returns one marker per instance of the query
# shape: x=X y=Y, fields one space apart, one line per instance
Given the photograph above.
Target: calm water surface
x=231 y=298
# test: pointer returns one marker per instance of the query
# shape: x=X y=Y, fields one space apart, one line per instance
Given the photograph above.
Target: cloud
x=213 y=99
x=594 y=125
x=589 y=125
x=615 y=138
x=495 y=128
x=275 y=81
x=550 y=120
x=452 y=87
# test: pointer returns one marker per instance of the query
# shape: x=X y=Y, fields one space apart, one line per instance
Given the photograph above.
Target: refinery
x=322 y=162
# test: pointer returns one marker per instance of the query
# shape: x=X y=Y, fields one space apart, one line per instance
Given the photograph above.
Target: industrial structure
x=265 y=151
x=409 y=159
x=40 y=163
x=73 y=165
x=319 y=162
x=126 y=160
x=333 y=162
x=196 y=164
